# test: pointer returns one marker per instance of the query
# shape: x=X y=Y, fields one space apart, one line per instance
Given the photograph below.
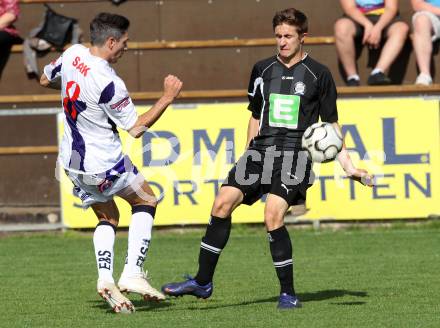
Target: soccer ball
x=322 y=142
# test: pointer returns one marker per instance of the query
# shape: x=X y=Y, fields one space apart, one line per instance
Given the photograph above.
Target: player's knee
x=273 y=217
x=222 y=207
x=150 y=202
x=110 y=216
x=114 y=221
x=147 y=200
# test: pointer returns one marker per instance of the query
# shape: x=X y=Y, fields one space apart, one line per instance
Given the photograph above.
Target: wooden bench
x=409 y=89
x=221 y=43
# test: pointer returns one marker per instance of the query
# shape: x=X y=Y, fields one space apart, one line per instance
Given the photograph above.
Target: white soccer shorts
x=100 y=188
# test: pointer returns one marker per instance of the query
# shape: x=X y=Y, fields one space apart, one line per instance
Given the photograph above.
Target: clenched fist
x=172 y=86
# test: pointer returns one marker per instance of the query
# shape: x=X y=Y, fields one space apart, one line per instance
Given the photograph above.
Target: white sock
x=354 y=77
x=139 y=236
x=376 y=70
x=104 y=240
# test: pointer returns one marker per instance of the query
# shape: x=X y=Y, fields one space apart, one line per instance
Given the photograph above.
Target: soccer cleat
x=286 y=302
x=111 y=294
x=188 y=287
x=139 y=284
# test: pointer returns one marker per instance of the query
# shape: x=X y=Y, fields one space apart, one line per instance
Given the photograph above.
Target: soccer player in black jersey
x=287 y=93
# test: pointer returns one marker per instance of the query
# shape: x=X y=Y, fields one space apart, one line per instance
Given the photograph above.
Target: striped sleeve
x=53 y=70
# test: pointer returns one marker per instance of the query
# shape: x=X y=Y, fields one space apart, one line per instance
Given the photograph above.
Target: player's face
x=118 y=47
x=288 y=40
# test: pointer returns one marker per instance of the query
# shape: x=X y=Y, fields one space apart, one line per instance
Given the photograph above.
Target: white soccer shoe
x=111 y=294
x=139 y=284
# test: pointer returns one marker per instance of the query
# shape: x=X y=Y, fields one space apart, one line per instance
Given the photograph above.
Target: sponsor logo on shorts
x=285 y=187
x=105 y=185
x=292 y=175
x=120 y=105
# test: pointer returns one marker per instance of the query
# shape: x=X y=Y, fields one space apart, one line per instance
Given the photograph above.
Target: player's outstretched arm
x=171 y=89
x=359 y=175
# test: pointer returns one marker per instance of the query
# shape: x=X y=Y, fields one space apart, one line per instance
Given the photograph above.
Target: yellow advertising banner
x=189 y=151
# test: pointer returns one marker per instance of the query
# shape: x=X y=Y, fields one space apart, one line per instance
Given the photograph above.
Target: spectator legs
x=422 y=43
x=396 y=36
x=345 y=31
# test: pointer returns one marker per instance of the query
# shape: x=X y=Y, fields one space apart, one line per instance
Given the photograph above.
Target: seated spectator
x=369 y=22
x=8 y=34
x=426 y=23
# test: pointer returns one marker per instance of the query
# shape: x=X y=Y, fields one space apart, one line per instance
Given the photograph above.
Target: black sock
x=215 y=239
x=281 y=250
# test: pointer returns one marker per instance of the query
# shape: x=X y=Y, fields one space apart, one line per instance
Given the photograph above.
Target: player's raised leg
x=103 y=240
x=215 y=239
x=143 y=203
x=280 y=249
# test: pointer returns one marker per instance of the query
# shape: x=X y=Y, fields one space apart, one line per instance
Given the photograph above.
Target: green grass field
x=381 y=277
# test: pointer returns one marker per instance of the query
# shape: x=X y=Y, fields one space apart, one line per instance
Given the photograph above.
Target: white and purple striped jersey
x=95 y=101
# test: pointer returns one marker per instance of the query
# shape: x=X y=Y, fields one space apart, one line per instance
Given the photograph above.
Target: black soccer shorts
x=286 y=174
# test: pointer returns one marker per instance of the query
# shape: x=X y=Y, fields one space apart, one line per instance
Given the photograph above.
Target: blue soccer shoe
x=188 y=287
x=287 y=302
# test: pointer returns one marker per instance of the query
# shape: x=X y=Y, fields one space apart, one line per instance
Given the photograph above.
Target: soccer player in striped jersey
x=95 y=102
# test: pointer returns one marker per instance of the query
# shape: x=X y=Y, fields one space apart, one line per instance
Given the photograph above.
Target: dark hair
x=106 y=25
x=292 y=17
